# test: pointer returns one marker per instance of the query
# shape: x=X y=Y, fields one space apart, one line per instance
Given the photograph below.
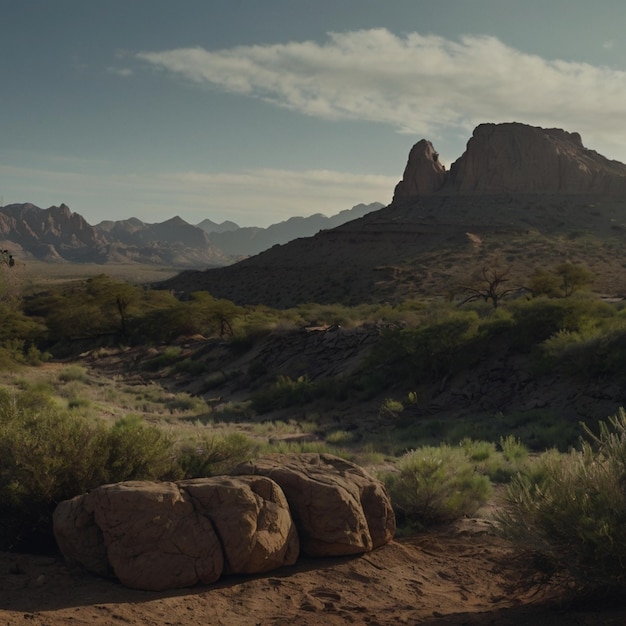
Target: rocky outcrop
x=516 y=158
x=513 y=158
x=167 y=535
x=318 y=351
x=423 y=174
x=338 y=508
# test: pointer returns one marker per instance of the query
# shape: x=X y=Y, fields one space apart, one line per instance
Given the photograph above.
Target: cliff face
x=516 y=158
x=423 y=173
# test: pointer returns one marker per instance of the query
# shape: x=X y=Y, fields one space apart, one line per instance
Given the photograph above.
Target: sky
x=259 y=110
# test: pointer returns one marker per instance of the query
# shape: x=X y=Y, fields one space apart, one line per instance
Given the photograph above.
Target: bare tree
x=492 y=287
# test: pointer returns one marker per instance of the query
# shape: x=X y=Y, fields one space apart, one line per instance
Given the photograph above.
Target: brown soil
x=459 y=575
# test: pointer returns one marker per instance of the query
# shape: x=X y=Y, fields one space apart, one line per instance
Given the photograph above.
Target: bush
x=73 y=372
x=594 y=354
x=426 y=353
x=435 y=485
x=170 y=356
x=211 y=455
x=478 y=450
x=47 y=456
x=569 y=513
x=537 y=320
x=138 y=451
x=283 y=393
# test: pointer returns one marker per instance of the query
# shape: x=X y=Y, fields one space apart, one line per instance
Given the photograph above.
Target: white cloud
x=420 y=84
x=251 y=198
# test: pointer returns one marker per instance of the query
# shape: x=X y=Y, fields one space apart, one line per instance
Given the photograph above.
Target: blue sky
x=259 y=110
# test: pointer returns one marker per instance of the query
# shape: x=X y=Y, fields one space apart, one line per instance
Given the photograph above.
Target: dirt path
x=451 y=577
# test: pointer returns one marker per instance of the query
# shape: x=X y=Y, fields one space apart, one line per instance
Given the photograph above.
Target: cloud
x=419 y=84
x=120 y=71
x=256 y=197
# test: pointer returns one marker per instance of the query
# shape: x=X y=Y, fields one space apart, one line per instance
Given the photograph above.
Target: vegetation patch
x=568 y=514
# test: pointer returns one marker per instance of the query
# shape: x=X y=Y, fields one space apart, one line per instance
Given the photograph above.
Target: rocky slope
x=519 y=198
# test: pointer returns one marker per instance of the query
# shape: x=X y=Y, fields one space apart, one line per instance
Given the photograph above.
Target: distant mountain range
x=250 y=240
x=57 y=234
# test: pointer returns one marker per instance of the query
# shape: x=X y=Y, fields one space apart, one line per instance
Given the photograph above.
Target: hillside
x=518 y=199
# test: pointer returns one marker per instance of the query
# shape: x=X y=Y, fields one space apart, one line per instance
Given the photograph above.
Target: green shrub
x=73 y=372
x=169 y=356
x=593 y=354
x=184 y=403
x=211 y=455
x=390 y=409
x=505 y=463
x=478 y=450
x=538 y=320
x=283 y=393
x=426 y=353
x=513 y=450
x=435 y=485
x=138 y=451
x=568 y=512
x=298 y=447
x=339 y=437
x=47 y=455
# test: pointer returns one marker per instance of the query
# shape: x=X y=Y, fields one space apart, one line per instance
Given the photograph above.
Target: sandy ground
x=459 y=575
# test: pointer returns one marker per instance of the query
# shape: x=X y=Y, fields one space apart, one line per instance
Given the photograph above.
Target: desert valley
x=476 y=323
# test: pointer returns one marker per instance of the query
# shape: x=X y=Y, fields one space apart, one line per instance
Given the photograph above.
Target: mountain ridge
x=250 y=240
x=494 y=208
x=57 y=234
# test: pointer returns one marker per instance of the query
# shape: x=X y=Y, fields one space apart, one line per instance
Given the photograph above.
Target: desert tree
x=562 y=281
x=214 y=314
x=543 y=282
x=573 y=277
x=492 y=287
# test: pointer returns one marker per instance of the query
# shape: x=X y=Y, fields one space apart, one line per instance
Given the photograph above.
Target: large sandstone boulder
x=158 y=536
x=79 y=538
x=151 y=533
x=252 y=519
x=337 y=507
x=167 y=535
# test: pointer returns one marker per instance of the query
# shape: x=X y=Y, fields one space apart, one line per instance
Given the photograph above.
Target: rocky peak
x=423 y=174
x=516 y=158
